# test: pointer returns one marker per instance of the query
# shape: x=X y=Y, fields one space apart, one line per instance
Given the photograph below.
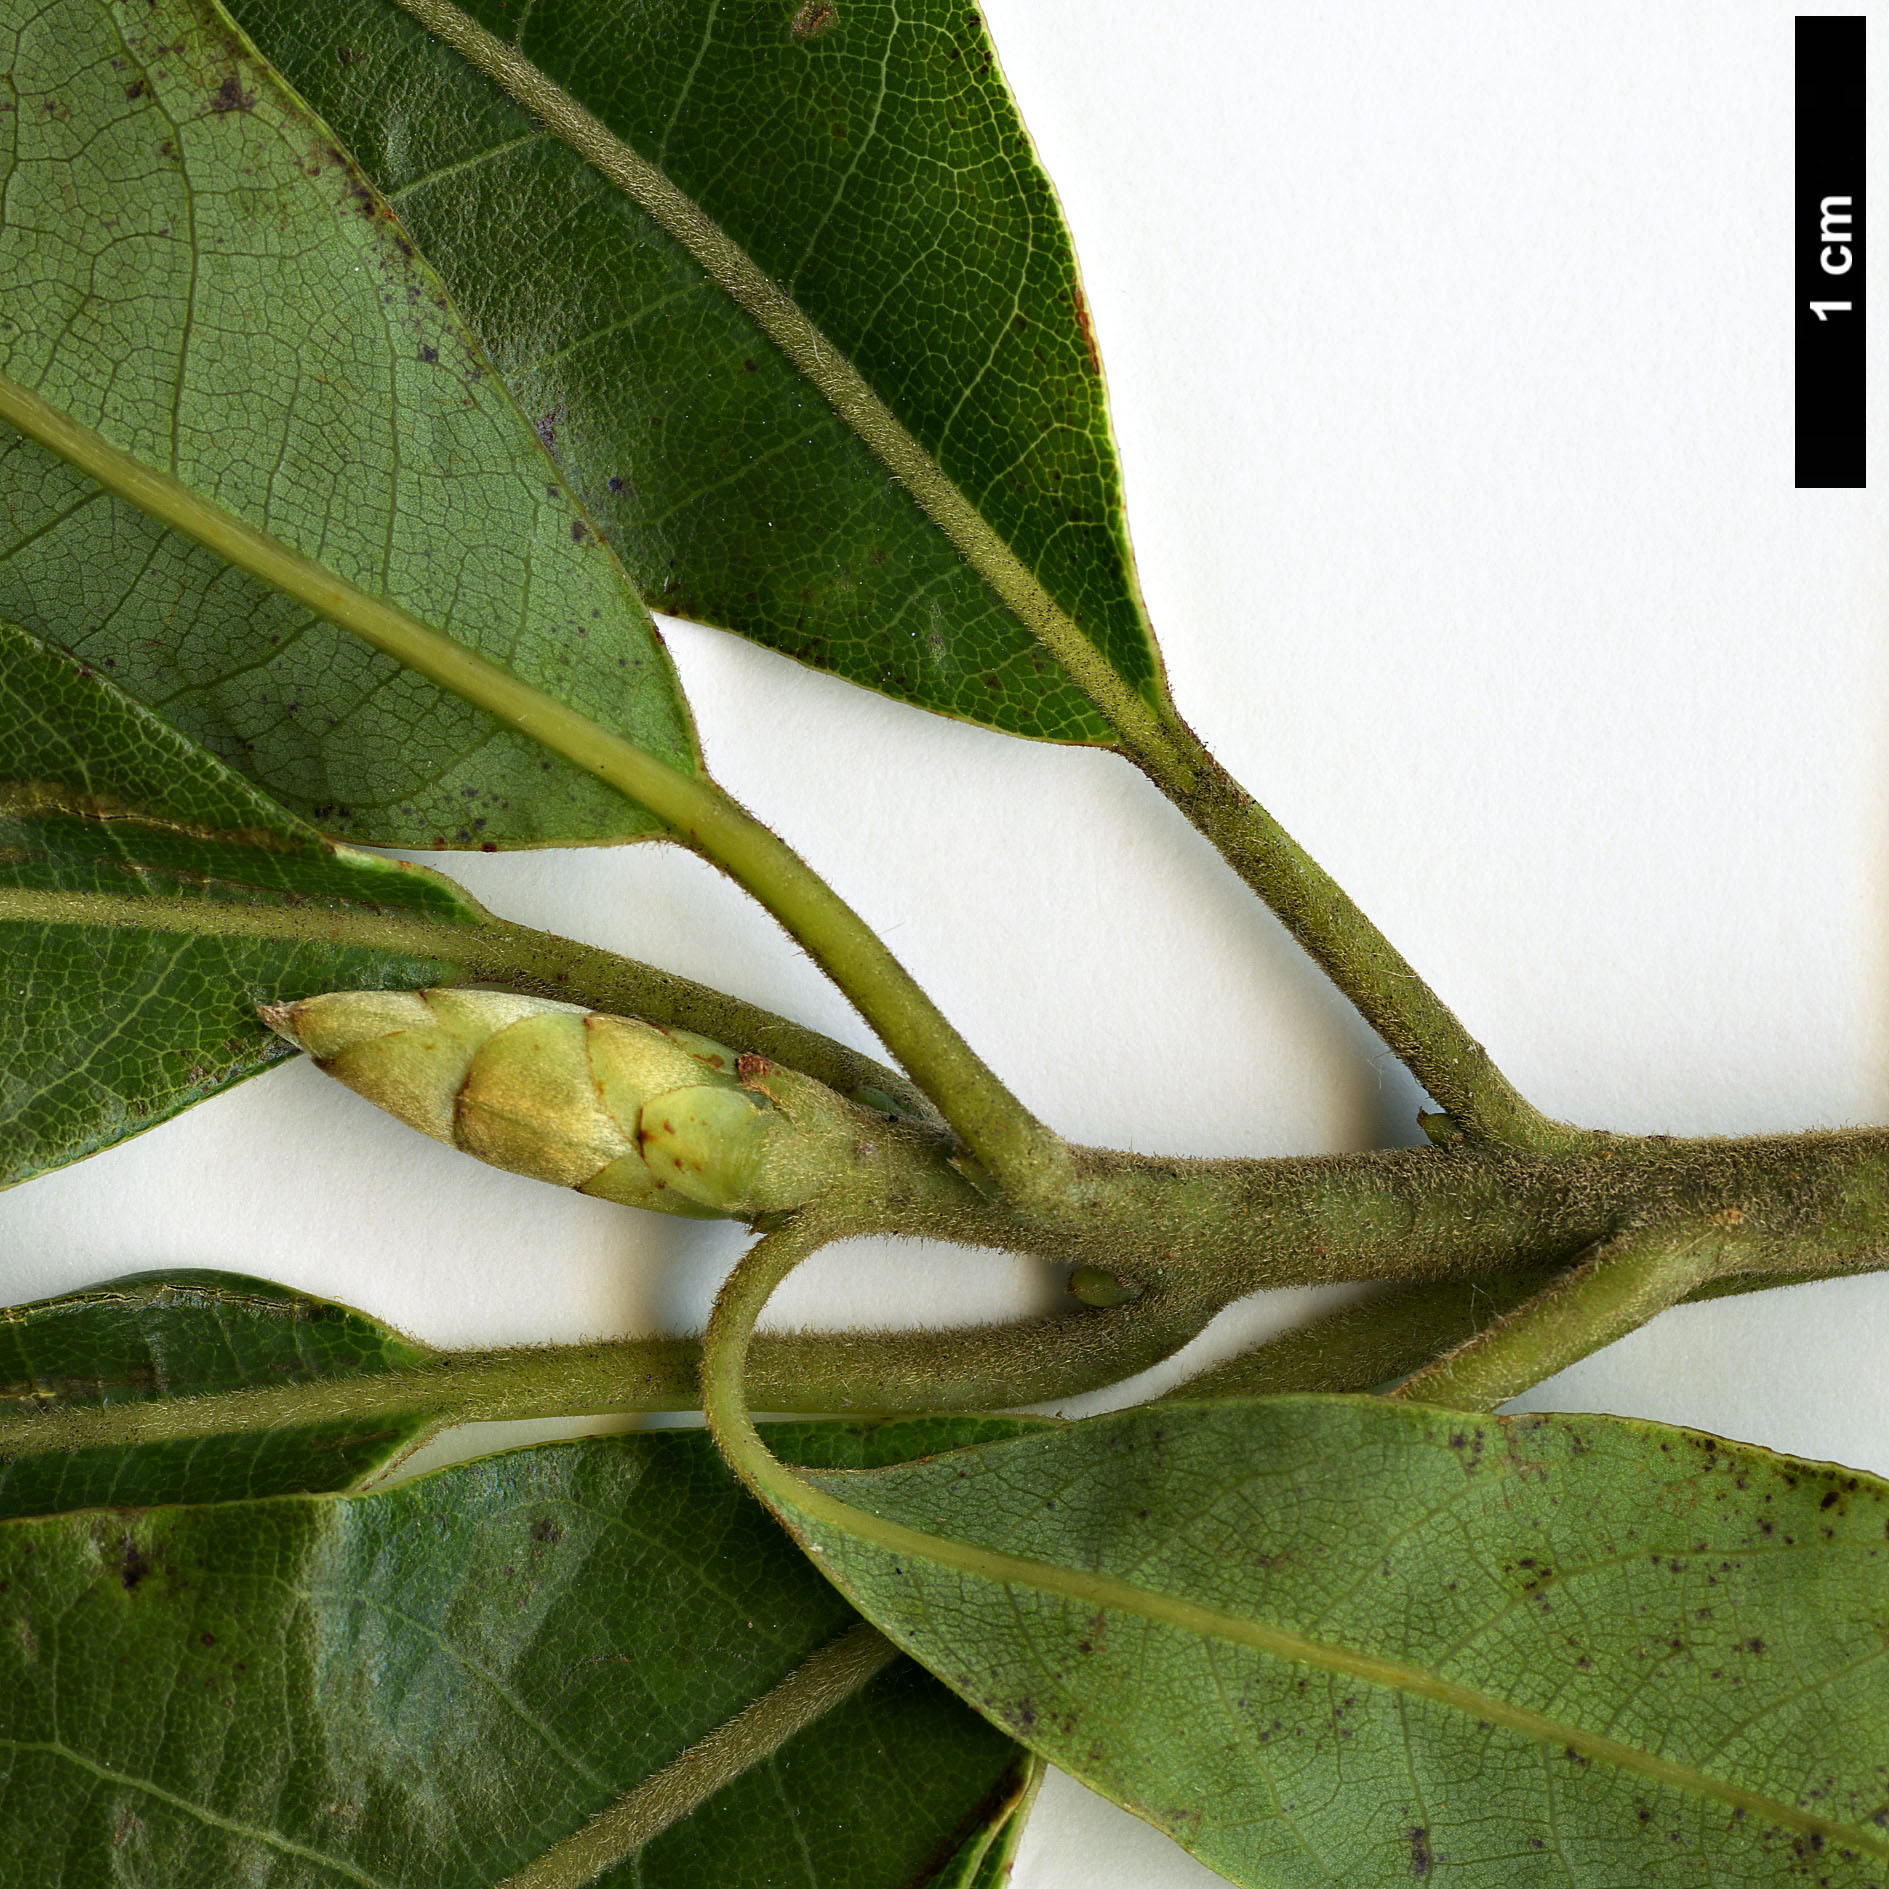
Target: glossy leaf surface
x=867 y=161
x=150 y=899
x=163 y=1335
x=433 y=1685
x=191 y=269
x=1347 y=1641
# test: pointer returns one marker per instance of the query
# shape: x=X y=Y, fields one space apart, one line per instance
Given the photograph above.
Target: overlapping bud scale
x=647 y=1115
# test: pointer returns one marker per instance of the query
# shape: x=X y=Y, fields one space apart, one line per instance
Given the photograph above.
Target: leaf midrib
x=1107 y=1592
x=32 y=799
x=812 y=354
x=284 y=1846
x=369 y=926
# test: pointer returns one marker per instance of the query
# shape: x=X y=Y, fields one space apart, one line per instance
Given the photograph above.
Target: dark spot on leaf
x=429 y=355
x=1419 y=1850
x=577 y=531
x=347 y=56
x=1830 y=1501
x=132 y=1566
x=135 y=89
x=230 y=96
x=208 y=1639
x=547 y=1531
x=615 y=484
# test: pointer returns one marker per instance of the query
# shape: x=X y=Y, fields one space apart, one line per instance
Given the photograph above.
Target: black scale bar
x=1827 y=225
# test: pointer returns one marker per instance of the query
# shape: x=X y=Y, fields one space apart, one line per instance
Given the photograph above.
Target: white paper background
x=1451 y=357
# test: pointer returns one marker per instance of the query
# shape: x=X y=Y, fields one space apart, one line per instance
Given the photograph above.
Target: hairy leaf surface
x=1335 y=1640
x=157 y=1336
x=843 y=260
x=433 y=1685
x=150 y=899
x=190 y=268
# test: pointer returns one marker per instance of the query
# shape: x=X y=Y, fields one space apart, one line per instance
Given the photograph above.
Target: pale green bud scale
x=529 y=1103
x=614 y=1107
x=710 y=1143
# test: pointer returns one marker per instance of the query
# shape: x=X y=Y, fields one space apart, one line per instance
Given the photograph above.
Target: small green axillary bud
x=628 y=1111
x=1095 y=1285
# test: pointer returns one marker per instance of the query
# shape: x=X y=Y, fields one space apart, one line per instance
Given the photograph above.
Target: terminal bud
x=640 y=1113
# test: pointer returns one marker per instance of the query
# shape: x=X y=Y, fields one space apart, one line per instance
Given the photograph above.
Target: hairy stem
x=1611 y=1293
x=725 y=1345
x=827 y=1678
x=541 y=964
x=698 y=813
x=824 y=366
x=855 y=1374
x=860 y=1374
x=1807 y=1204
x=1413 y=1021
x=1362 y=1347
x=1394 y=1333
x=494 y=951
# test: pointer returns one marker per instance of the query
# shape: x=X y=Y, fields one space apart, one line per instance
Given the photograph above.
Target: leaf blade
x=429 y=1685
x=150 y=899
x=1230 y=1675
x=905 y=303
x=152 y=1336
x=297 y=363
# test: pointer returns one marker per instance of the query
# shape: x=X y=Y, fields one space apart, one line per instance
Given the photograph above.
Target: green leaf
x=988 y=1855
x=150 y=899
x=788 y=293
x=1326 y=1640
x=164 y=1335
x=434 y=1685
x=190 y=269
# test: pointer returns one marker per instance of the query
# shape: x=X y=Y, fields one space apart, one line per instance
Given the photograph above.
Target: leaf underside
x=1341 y=1641
x=150 y=899
x=432 y=1685
x=192 y=269
x=162 y=1335
x=869 y=160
